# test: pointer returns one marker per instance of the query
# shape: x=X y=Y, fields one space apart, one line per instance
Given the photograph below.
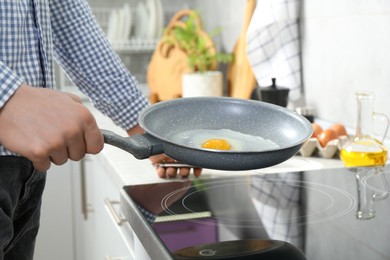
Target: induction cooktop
x=325 y=214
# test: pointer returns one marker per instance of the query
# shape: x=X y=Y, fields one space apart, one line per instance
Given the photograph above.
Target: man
x=39 y=125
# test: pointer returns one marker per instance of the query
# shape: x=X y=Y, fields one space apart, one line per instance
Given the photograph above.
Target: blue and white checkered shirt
x=32 y=32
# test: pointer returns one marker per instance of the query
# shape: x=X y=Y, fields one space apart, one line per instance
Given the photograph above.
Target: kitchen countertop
x=124 y=169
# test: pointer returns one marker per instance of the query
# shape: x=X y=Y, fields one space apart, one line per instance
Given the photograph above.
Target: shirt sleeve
x=9 y=83
x=82 y=49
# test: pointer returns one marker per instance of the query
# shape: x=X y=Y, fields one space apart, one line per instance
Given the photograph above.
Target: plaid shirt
x=32 y=32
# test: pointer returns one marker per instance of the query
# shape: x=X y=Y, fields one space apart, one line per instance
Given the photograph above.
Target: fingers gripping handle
x=140 y=146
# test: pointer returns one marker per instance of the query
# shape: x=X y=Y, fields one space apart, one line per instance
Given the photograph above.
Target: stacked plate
x=144 y=21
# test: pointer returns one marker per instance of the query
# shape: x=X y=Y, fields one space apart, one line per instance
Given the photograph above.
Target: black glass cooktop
x=326 y=214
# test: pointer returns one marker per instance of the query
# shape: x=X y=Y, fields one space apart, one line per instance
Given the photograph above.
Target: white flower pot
x=200 y=84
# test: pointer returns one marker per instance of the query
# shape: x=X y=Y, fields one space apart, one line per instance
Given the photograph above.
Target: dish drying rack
x=132 y=45
x=134 y=52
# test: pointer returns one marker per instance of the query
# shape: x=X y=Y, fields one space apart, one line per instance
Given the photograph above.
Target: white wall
x=227 y=14
x=346 y=48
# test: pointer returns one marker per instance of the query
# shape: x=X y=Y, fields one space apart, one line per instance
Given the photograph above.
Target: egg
x=326 y=136
x=217 y=144
x=339 y=129
x=317 y=129
x=222 y=139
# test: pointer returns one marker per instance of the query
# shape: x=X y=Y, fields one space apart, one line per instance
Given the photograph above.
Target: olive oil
x=363 y=149
x=357 y=159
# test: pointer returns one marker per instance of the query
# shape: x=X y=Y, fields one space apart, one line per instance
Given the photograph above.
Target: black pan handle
x=140 y=146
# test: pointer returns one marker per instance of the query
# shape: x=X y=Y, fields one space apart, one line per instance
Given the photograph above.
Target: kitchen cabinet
x=76 y=219
x=55 y=237
x=96 y=235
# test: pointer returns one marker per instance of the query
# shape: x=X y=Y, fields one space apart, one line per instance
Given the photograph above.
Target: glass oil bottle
x=363 y=149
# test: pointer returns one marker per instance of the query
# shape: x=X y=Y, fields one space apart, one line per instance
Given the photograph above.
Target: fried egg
x=223 y=139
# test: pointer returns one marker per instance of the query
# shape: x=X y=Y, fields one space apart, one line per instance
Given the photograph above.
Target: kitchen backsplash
x=345 y=49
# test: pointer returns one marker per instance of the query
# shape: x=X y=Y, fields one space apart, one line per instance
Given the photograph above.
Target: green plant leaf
x=190 y=40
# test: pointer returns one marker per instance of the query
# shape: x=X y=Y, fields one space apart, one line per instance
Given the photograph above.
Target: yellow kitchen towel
x=273 y=44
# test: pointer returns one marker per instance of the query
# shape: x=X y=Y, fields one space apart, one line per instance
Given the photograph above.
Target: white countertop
x=124 y=169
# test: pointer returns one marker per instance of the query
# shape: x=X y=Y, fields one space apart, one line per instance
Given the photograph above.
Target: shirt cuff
x=9 y=83
x=122 y=104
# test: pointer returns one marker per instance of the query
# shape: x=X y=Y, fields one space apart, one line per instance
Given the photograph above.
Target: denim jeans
x=21 y=188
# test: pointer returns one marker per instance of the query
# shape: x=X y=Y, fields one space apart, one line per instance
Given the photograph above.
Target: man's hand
x=47 y=126
x=163 y=172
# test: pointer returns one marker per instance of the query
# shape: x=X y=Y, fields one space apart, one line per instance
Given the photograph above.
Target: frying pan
x=163 y=120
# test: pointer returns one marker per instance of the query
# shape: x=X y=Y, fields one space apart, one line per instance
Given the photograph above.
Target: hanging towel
x=273 y=44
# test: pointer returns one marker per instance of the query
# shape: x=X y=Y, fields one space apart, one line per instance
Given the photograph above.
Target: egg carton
x=312 y=147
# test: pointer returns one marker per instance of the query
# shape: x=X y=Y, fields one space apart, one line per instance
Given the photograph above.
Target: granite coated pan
x=163 y=120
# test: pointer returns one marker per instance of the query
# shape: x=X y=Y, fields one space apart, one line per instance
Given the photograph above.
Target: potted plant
x=202 y=77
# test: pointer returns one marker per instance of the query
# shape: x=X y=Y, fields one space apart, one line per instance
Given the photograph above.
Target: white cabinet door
x=75 y=222
x=55 y=237
x=84 y=217
x=97 y=236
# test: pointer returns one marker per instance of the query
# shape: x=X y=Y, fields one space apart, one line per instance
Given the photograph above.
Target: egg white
x=239 y=142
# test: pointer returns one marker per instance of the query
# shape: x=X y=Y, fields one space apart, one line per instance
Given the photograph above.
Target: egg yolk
x=216 y=144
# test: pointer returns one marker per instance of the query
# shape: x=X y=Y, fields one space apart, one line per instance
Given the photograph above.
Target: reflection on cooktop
x=337 y=214
x=281 y=192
